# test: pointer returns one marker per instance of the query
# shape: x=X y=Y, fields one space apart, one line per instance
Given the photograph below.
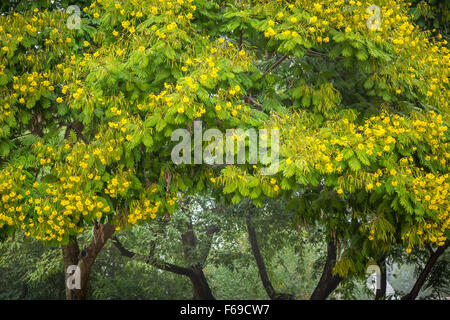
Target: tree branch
x=150 y=260
x=123 y=251
x=275 y=65
x=252 y=101
x=261 y=265
x=412 y=295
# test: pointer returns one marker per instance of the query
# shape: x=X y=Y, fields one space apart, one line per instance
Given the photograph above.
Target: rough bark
x=328 y=281
x=412 y=295
x=84 y=259
x=267 y=284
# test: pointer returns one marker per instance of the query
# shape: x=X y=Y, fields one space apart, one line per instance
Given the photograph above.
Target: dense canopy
x=87 y=115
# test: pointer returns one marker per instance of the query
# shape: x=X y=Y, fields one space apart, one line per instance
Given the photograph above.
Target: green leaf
x=354 y=164
x=147 y=139
x=4 y=149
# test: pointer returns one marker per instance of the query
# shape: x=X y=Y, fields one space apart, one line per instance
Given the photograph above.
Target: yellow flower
x=269 y=33
x=288 y=161
x=181 y=110
x=96 y=15
x=59 y=100
x=408 y=250
x=340 y=191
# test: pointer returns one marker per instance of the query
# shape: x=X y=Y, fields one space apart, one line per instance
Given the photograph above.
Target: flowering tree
x=87 y=115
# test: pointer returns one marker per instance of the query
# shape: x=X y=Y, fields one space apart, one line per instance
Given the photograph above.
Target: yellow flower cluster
x=143 y=210
x=45 y=211
x=22 y=39
x=421 y=61
x=388 y=154
x=118 y=185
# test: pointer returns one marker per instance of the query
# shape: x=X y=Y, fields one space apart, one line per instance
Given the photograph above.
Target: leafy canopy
x=86 y=115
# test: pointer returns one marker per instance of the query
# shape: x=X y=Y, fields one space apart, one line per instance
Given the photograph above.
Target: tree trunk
x=192 y=254
x=328 y=281
x=202 y=291
x=23 y=292
x=84 y=259
x=380 y=294
x=71 y=253
x=412 y=295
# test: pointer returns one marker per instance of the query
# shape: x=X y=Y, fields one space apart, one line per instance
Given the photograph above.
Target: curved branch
x=150 y=260
x=267 y=284
x=425 y=272
x=328 y=281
